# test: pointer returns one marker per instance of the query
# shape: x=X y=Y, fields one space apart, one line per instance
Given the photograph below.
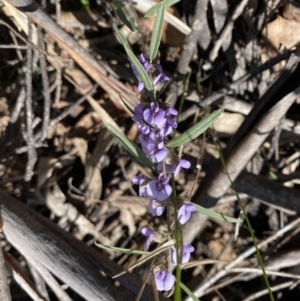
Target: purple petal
x=164 y=78
x=173 y=168
x=164 y=280
x=134 y=70
x=187 y=250
x=184 y=213
x=138 y=180
x=172 y=123
x=143 y=190
x=157 y=79
x=158 y=67
x=141 y=86
x=155 y=209
x=165 y=180
x=144 y=129
x=185 y=163
x=152 y=189
x=166 y=130
x=190 y=207
x=160 y=119
x=142 y=58
x=164 y=193
x=160 y=166
x=160 y=156
x=172 y=111
x=161 y=145
x=148 y=116
x=147 y=232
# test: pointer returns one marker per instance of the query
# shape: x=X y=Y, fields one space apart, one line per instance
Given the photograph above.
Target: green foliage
x=134 y=60
x=125 y=18
x=188 y=292
x=216 y=215
x=196 y=130
x=129 y=108
x=157 y=31
x=154 y=9
x=122 y=250
x=131 y=147
x=85 y=4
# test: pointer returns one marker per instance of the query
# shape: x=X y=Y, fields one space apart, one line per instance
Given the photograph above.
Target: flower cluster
x=157 y=122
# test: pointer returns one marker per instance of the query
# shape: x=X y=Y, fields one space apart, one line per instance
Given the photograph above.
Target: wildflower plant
x=156 y=125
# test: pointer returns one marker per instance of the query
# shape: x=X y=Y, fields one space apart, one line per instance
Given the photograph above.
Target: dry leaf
x=282 y=32
x=81 y=147
x=127 y=219
x=228 y=123
x=291 y=11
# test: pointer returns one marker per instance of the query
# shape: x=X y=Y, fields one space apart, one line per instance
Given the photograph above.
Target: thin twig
x=227 y=30
x=32 y=155
x=45 y=81
x=31 y=45
x=13 y=47
x=200 y=291
x=4 y=287
x=264 y=292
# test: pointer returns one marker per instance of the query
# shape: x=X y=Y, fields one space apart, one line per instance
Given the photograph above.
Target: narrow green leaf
x=125 y=18
x=122 y=250
x=216 y=215
x=134 y=60
x=85 y=4
x=157 y=32
x=154 y=9
x=170 y=2
x=196 y=130
x=157 y=251
x=118 y=3
x=188 y=291
x=130 y=147
x=129 y=108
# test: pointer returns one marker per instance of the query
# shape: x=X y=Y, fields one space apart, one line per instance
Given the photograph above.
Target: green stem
x=178 y=242
x=259 y=257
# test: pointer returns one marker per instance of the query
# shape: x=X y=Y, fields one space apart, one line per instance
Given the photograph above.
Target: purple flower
x=141 y=181
x=186 y=254
x=176 y=168
x=161 y=77
x=147 y=139
x=156 y=150
x=144 y=62
x=159 y=189
x=144 y=128
x=138 y=113
x=170 y=123
x=155 y=208
x=148 y=233
x=185 y=211
x=175 y=165
x=155 y=116
x=157 y=68
x=146 y=66
x=164 y=280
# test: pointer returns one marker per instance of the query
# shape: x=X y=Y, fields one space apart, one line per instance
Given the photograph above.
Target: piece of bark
x=271 y=192
x=215 y=184
x=70 y=260
x=4 y=288
x=240 y=156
